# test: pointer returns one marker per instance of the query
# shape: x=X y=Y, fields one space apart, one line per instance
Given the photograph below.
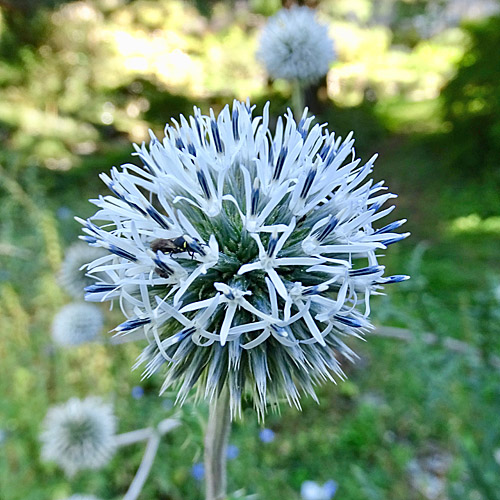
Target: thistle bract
x=246 y=256
x=294 y=46
x=79 y=434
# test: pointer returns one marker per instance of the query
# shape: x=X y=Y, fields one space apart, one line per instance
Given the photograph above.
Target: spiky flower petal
x=294 y=46
x=246 y=256
x=72 y=276
x=76 y=323
x=79 y=434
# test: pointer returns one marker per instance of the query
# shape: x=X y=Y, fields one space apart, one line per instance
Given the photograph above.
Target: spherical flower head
x=76 y=324
x=294 y=46
x=79 y=434
x=72 y=275
x=247 y=257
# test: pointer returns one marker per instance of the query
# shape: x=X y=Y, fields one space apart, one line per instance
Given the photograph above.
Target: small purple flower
x=198 y=471
x=330 y=488
x=137 y=392
x=267 y=435
x=232 y=452
x=310 y=490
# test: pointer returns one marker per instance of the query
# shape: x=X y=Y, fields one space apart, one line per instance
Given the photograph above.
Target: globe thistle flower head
x=76 y=323
x=79 y=434
x=294 y=46
x=246 y=256
x=72 y=275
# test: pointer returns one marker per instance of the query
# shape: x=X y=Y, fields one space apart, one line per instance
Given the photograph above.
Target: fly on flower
x=177 y=245
x=246 y=256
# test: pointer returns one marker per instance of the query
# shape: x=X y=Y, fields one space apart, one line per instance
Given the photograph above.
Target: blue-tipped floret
x=324 y=151
x=365 y=271
x=111 y=186
x=157 y=217
x=255 y=196
x=179 y=143
x=300 y=128
x=203 y=183
x=323 y=233
x=279 y=163
x=315 y=290
x=99 y=288
x=218 y=143
x=271 y=155
x=132 y=324
x=346 y=320
x=271 y=247
x=89 y=239
x=121 y=253
x=308 y=183
x=234 y=120
x=398 y=278
x=390 y=227
x=395 y=239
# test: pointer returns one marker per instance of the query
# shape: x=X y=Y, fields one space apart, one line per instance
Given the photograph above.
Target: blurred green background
x=418 y=82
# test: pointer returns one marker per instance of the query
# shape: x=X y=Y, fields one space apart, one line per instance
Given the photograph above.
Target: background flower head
x=246 y=256
x=72 y=277
x=294 y=46
x=76 y=324
x=79 y=434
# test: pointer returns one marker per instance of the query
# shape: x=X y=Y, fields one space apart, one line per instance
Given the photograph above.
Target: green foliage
x=471 y=102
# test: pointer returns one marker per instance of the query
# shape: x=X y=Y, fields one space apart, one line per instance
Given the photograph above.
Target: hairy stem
x=153 y=437
x=139 y=435
x=216 y=438
x=142 y=473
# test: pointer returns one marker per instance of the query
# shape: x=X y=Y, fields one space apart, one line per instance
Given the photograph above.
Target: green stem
x=297 y=99
x=216 y=438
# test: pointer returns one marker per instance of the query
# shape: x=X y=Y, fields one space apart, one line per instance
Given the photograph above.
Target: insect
x=178 y=245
